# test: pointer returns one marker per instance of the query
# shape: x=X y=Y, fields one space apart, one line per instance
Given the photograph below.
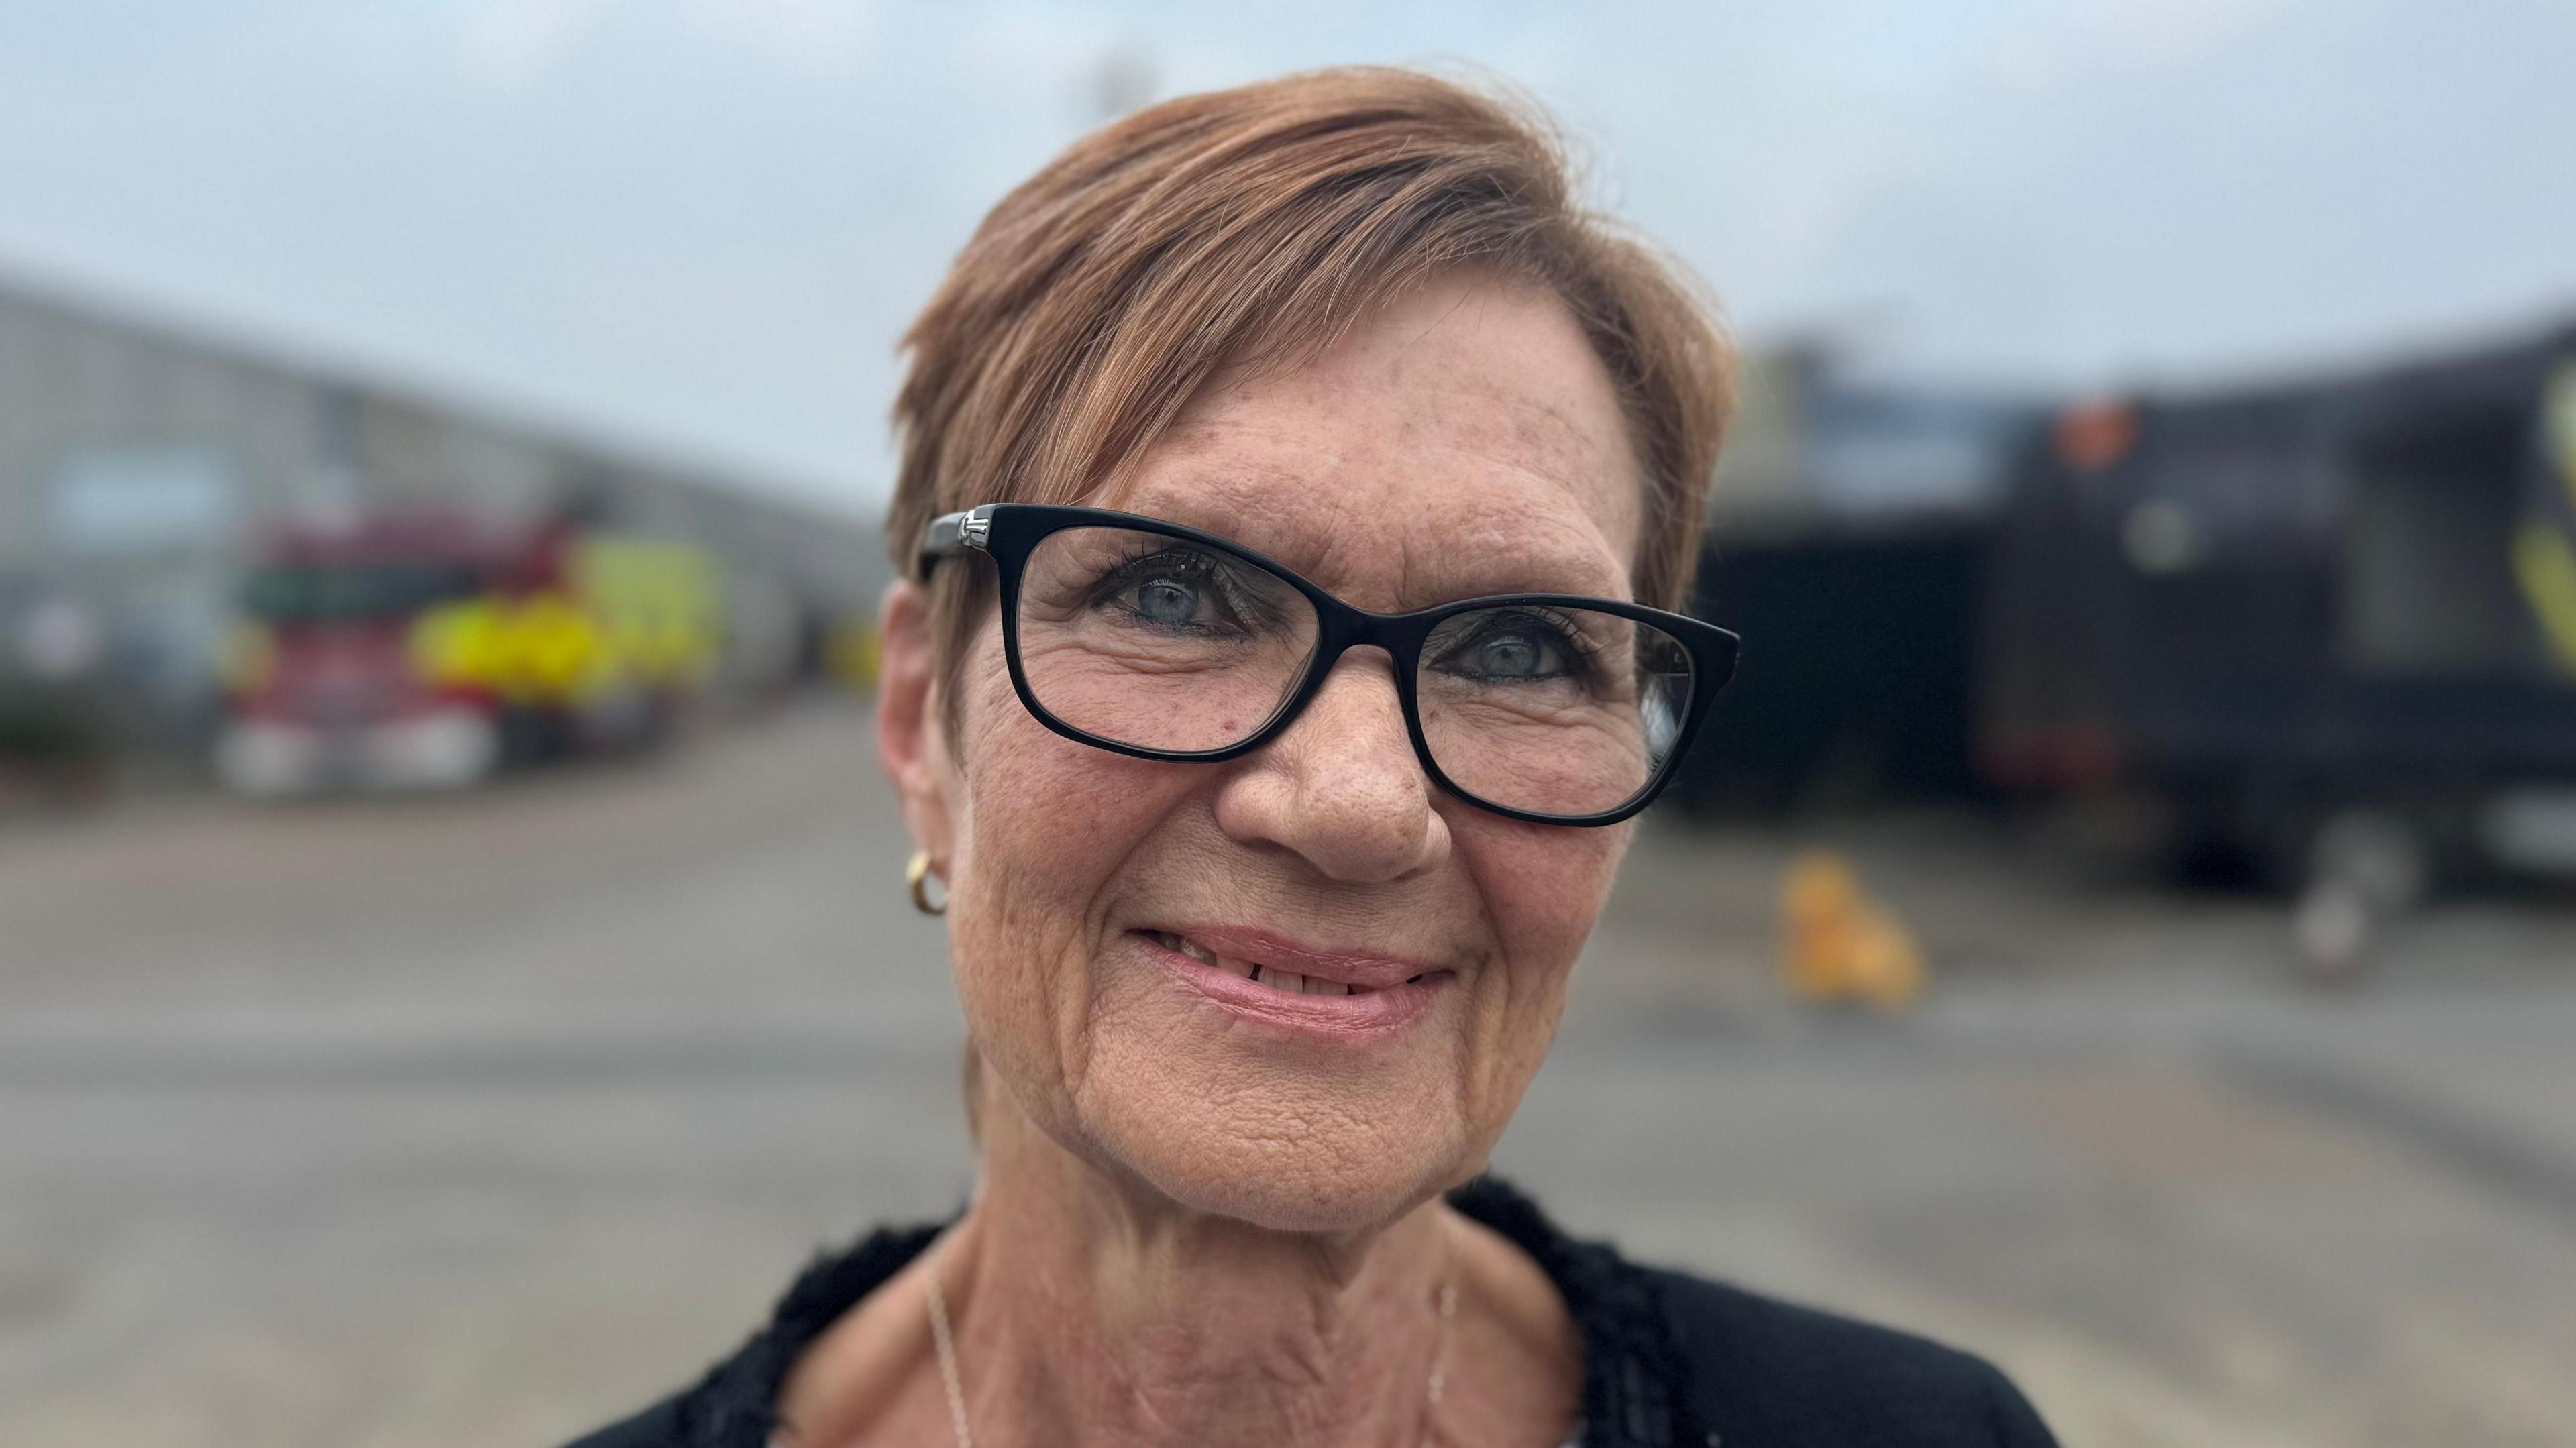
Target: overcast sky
x=702 y=223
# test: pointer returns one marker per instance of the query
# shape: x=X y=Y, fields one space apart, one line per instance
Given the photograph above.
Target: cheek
x=1040 y=813
x=1543 y=886
x=1027 y=891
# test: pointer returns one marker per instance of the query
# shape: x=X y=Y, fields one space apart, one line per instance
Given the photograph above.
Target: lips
x=1280 y=983
x=1274 y=973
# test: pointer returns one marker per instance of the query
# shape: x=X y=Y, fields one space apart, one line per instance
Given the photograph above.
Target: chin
x=1285 y=1171
x=1321 y=1203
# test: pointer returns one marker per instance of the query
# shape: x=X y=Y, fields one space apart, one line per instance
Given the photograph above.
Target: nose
x=1342 y=788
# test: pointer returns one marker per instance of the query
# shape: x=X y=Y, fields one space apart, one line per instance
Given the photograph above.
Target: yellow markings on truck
x=460 y=643
x=541 y=649
x=2558 y=427
x=2546 y=567
x=247 y=659
x=656 y=606
x=857 y=654
x=637 y=615
x=558 y=653
x=2544 y=554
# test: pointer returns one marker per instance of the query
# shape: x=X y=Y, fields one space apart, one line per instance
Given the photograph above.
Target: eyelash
x=1567 y=636
x=1186 y=565
x=1194 y=567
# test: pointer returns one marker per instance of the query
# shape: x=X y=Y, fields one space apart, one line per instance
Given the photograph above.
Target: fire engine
x=427 y=650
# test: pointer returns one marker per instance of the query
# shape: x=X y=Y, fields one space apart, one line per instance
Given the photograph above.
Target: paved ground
x=473 y=1121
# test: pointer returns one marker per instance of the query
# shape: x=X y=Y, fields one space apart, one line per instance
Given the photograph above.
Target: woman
x=1293 y=481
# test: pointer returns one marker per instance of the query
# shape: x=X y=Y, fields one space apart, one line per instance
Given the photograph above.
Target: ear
x=910 y=740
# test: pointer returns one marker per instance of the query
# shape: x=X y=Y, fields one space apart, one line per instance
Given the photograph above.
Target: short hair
x=1249 y=227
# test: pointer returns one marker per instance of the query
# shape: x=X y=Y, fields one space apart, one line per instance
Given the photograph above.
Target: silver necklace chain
x=945 y=1340
x=947 y=1345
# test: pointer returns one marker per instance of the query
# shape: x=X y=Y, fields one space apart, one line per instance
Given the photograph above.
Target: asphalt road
x=475 y=1121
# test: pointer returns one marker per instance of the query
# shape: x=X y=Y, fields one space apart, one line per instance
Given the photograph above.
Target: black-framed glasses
x=1150 y=639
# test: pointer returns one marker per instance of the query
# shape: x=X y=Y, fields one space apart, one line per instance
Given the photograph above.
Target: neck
x=1093 y=1310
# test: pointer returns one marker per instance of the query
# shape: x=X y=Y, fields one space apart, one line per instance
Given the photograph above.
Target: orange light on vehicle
x=2091 y=436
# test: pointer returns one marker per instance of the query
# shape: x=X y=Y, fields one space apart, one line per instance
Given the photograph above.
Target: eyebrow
x=1444 y=575
x=1527 y=562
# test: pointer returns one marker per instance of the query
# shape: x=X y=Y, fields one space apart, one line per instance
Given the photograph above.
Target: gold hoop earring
x=916 y=878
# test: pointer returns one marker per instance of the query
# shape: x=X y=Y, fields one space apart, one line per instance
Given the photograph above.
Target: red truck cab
x=324 y=690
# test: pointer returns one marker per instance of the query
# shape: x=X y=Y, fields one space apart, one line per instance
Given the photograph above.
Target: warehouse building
x=140 y=462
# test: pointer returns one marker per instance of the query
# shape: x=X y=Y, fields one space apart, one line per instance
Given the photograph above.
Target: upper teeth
x=1280 y=980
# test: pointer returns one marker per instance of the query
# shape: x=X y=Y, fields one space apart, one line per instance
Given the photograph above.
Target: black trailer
x=2276 y=608
x=1854 y=556
x=1859 y=689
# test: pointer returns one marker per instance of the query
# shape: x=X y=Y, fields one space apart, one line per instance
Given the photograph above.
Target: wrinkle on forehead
x=1462 y=444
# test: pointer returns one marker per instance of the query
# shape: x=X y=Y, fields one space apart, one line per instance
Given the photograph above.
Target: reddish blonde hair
x=1250 y=226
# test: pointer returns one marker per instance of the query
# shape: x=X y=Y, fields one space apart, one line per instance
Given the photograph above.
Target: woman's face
x=1106 y=912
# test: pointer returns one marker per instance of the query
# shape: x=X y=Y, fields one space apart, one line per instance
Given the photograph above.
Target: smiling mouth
x=1283 y=981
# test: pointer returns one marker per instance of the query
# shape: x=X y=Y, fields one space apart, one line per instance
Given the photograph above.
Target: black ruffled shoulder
x=1629 y=1366
x=1670 y=1360
x=735 y=1404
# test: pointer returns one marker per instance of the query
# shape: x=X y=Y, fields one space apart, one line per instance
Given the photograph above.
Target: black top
x=1669 y=1360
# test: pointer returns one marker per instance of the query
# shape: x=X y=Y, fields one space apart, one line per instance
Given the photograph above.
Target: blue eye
x=1516 y=656
x=1515 y=646
x=1166 y=600
x=1178 y=589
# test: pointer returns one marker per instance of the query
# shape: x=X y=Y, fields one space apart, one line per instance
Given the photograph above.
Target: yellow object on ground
x=1837 y=945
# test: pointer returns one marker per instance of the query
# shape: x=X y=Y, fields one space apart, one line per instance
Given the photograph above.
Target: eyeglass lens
x=1159 y=643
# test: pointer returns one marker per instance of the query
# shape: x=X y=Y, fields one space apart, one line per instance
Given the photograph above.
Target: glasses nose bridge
x=1343 y=628
x=1340 y=640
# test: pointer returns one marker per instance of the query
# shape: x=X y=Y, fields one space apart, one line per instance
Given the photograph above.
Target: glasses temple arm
x=952 y=533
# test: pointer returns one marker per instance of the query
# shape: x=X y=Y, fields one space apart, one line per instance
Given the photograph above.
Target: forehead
x=1463 y=440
